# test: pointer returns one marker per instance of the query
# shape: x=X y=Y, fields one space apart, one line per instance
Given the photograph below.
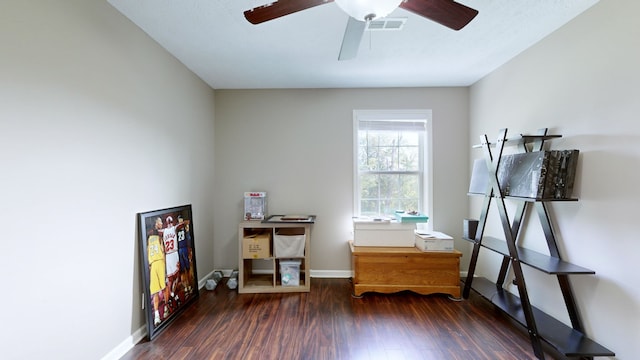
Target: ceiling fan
x=445 y=12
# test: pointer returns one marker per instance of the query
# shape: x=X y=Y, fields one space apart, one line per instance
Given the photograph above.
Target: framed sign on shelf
x=170 y=280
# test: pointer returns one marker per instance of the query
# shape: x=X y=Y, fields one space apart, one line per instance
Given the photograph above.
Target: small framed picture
x=167 y=248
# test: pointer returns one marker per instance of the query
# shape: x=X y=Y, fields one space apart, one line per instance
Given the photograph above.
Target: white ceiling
x=213 y=39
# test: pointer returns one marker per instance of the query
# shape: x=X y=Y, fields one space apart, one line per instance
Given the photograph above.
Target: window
x=390 y=161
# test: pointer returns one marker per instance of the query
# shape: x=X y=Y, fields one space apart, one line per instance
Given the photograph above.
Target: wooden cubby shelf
x=262 y=274
x=570 y=341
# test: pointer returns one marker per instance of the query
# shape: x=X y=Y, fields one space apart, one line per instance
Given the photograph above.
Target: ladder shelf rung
x=542 y=262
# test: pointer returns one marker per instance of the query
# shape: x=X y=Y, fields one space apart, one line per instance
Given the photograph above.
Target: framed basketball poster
x=168 y=263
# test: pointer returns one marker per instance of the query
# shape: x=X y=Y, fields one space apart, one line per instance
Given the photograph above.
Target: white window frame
x=427 y=173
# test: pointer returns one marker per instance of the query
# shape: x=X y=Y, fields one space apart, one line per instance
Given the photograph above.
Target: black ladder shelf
x=570 y=341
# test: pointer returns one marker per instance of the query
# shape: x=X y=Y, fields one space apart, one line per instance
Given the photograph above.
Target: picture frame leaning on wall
x=168 y=258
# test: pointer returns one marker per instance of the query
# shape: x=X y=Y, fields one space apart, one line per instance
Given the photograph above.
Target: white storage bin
x=434 y=241
x=383 y=233
x=289 y=242
x=290 y=272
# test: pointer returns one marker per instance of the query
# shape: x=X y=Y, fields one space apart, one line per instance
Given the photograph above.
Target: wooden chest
x=393 y=269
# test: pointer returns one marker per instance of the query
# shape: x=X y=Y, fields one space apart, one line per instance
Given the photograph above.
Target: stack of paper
x=433 y=241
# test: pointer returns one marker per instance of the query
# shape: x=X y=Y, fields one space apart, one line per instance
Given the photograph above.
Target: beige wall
x=582 y=82
x=89 y=113
x=298 y=146
x=97 y=123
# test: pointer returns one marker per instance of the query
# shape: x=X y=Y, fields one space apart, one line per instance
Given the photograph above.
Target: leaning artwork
x=170 y=280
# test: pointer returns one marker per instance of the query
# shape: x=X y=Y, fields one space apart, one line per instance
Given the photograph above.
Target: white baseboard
x=204 y=279
x=131 y=341
x=126 y=345
x=328 y=274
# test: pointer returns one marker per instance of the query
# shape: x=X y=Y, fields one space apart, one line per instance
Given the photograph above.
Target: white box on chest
x=434 y=241
x=368 y=232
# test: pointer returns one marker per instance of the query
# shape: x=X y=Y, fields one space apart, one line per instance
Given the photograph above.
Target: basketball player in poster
x=170 y=239
x=157 y=269
x=184 y=237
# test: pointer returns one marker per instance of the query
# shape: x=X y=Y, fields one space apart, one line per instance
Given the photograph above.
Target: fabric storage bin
x=289 y=242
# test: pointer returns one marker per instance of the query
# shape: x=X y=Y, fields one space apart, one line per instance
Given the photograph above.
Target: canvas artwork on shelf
x=537 y=175
x=168 y=254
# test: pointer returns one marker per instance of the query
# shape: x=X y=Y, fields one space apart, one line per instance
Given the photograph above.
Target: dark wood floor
x=328 y=323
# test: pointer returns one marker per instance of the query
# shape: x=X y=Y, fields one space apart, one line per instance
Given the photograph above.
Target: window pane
x=382 y=194
x=369 y=186
x=369 y=207
x=384 y=138
x=409 y=138
x=388 y=151
x=409 y=158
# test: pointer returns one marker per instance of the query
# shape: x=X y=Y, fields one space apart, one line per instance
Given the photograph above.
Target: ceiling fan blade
x=280 y=8
x=445 y=12
x=351 y=40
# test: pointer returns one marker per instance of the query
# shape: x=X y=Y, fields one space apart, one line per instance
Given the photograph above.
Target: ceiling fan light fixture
x=363 y=10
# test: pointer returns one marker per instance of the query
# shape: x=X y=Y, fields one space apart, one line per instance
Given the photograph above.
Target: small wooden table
x=393 y=269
